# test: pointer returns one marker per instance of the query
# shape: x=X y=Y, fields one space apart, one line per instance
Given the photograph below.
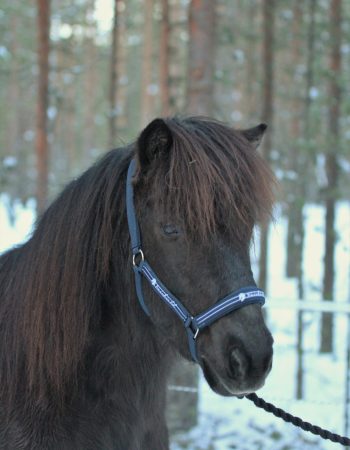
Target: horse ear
x=254 y=135
x=155 y=140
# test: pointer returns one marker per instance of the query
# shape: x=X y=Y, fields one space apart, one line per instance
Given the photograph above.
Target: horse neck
x=129 y=351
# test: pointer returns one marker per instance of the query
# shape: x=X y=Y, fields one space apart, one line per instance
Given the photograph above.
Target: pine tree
x=42 y=147
x=267 y=116
x=332 y=171
x=113 y=78
x=201 y=57
x=147 y=98
x=164 y=75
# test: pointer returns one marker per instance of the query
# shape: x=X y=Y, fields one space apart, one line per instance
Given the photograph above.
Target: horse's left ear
x=154 y=141
x=255 y=135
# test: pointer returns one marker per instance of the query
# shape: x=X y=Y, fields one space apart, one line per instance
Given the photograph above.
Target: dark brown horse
x=81 y=365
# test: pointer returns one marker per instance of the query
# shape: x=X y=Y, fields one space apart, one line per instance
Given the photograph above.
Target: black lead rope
x=306 y=426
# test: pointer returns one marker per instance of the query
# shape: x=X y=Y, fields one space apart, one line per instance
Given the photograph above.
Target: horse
x=81 y=364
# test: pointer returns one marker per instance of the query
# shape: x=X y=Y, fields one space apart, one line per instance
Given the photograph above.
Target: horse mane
x=212 y=180
x=53 y=287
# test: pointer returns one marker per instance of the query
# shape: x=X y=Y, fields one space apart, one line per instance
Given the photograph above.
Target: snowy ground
x=19 y=231
x=226 y=423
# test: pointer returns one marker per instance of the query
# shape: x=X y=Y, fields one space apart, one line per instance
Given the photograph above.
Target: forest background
x=78 y=78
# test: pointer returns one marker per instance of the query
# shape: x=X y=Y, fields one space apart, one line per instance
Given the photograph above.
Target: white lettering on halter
x=164 y=294
x=241 y=297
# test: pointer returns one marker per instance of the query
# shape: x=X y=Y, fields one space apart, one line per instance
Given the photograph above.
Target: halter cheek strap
x=193 y=324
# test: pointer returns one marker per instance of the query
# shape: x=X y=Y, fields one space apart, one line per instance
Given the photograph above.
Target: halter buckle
x=189 y=323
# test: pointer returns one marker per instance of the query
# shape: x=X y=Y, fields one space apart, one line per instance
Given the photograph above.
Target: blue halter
x=193 y=325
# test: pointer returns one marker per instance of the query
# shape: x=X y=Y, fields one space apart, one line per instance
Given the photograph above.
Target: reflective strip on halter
x=234 y=301
x=162 y=291
x=242 y=297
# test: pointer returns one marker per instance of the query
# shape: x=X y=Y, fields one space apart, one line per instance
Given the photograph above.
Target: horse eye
x=170 y=230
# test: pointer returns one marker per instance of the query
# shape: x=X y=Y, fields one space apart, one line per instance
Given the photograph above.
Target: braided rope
x=306 y=426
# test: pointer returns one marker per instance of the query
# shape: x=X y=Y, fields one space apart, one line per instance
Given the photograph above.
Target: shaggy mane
x=52 y=287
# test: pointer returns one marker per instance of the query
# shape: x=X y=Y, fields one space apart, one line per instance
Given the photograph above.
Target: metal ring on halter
x=139 y=253
x=194 y=329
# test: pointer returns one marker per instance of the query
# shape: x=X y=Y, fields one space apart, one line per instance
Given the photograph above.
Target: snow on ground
x=19 y=231
x=229 y=423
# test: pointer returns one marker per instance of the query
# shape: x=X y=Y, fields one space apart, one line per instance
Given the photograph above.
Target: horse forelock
x=212 y=179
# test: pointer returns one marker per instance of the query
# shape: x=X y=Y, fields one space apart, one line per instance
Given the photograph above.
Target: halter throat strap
x=193 y=324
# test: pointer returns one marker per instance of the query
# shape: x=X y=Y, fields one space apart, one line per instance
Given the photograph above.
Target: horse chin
x=224 y=386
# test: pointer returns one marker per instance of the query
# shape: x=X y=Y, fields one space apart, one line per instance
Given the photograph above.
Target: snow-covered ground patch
x=16 y=222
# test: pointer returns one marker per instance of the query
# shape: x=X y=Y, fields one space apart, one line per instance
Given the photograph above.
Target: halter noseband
x=193 y=324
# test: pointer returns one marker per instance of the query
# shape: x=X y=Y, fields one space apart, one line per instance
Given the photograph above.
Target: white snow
x=15 y=234
x=10 y=161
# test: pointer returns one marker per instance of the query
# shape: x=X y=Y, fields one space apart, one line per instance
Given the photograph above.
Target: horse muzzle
x=241 y=366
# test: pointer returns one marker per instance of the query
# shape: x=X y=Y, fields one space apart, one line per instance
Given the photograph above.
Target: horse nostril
x=238 y=364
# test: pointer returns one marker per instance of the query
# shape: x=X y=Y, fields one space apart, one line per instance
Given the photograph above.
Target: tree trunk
x=347 y=385
x=182 y=406
x=305 y=164
x=332 y=172
x=122 y=73
x=15 y=177
x=164 y=76
x=90 y=98
x=90 y=79
x=250 y=82
x=200 y=89
x=13 y=94
x=178 y=20
x=147 y=97
x=113 y=102
x=267 y=116
x=64 y=132
x=296 y=188
x=295 y=199
x=42 y=148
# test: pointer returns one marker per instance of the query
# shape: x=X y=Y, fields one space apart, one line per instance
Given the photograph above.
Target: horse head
x=199 y=188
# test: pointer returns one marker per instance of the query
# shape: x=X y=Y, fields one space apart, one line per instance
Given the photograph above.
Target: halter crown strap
x=193 y=325
x=130 y=211
x=134 y=232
